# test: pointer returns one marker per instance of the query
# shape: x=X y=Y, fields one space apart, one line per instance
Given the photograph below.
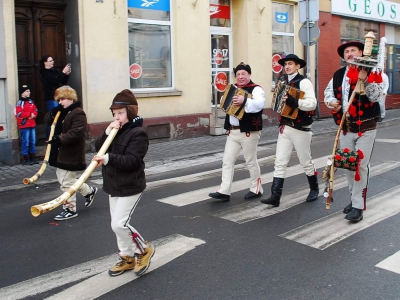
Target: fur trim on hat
x=126 y=99
x=65 y=92
x=242 y=66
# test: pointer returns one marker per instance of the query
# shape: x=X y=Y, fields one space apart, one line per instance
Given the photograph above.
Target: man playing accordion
x=243 y=134
x=295 y=132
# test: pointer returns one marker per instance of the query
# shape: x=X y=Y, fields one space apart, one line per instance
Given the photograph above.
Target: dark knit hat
x=341 y=48
x=126 y=99
x=23 y=88
x=292 y=57
x=242 y=66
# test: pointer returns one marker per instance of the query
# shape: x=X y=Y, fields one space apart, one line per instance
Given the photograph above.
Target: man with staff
x=295 y=132
x=359 y=129
x=243 y=134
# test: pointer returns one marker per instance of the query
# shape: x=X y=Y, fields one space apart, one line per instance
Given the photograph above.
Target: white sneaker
x=65 y=215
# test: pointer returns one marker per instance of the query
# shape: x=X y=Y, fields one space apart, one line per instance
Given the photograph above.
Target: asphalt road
x=207 y=249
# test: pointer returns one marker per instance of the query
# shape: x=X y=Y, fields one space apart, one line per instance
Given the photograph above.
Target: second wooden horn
x=35 y=177
x=39 y=209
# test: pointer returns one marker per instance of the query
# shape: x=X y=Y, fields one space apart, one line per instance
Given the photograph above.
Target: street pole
x=308 y=75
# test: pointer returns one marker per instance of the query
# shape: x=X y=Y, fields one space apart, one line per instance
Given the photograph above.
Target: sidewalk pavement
x=166 y=152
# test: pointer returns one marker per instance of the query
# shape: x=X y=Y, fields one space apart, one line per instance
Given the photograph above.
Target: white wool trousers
x=66 y=180
x=365 y=143
x=301 y=141
x=129 y=241
x=235 y=142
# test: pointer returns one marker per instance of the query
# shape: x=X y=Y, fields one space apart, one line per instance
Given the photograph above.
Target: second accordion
x=278 y=104
x=226 y=104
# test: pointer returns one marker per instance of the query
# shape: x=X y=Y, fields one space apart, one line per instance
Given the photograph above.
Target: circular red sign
x=276 y=67
x=218 y=58
x=220 y=81
x=135 y=71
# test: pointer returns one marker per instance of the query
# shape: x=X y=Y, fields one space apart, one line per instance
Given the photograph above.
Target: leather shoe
x=348 y=208
x=219 y=196
x=355 y=215
x=251 y=195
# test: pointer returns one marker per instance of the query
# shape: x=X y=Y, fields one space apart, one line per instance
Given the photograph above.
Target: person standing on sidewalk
x=51 y=80
x=68 y=148
x=26 y=112
x=359 y=129
x=295 y=132
x=124 y=180
x=243 y=134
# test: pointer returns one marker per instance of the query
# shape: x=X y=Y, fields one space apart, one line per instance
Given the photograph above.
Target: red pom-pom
x=360 y=134
x=359 y=103
x=352 y=159
x=338 y=116
x=371 y=77
x=339 y=88
x=339 y=96
x=346 y=150
x=360 y=112
x=360 y=154
x=357 y=177
x=338 y=122
x=378 y=78
x=366 y=105
x=337 y=157
x=358 y=122
x=352 y=110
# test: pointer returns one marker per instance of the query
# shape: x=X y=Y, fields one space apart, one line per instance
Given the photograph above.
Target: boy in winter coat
x=124 y=180
x=26 y=112
x=68 y=148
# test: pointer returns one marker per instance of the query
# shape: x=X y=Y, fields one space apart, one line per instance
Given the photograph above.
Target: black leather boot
x=314 y=189
x=276 y=192
x=26 y=161
x=348 y=208
x=33 y=159
x=355 y=215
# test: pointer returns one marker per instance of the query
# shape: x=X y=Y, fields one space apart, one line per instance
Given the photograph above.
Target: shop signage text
x=220 y=81
x=276 y=67
x=220 y=12
x=135 y=71
x=376 y=10
x=219 y=56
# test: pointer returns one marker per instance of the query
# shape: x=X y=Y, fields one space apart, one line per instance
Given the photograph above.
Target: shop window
x=220 y=13
x=149 y=28
x=282 y=36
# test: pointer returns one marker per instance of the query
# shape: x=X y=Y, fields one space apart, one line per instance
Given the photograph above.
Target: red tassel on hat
x=378 y=78
x=371 y=77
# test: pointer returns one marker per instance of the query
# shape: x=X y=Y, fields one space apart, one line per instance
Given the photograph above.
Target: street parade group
x=353 y=95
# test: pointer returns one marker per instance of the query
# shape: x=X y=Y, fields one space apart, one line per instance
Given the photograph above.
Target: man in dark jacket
x=68 y=148
x=124 y=180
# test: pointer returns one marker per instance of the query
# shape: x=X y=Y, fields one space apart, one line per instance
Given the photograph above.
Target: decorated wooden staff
x=39 y=209
x=345 y=158
x=35 y=177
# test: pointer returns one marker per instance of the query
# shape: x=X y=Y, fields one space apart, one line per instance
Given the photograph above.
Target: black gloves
x=292 y=102
x=55 y=110
x=55 y=141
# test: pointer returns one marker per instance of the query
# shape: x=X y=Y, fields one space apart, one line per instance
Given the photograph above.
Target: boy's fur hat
x=65 y=92
x=126 y=99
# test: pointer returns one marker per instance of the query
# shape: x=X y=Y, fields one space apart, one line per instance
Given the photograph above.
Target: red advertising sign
x=218 y=58
x=220 y=81
x=135 y=71
x=276 y=67
x=220 y=12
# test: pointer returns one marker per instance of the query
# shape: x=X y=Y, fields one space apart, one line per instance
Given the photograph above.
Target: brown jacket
x=124 y=173
x=68 y=152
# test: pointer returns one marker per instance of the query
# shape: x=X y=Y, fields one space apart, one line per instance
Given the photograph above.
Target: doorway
x=40 y=30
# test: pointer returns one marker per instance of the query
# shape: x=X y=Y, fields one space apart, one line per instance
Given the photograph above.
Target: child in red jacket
x=26 y=112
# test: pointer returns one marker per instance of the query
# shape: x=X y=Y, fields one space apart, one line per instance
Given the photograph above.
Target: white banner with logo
x=374 y=10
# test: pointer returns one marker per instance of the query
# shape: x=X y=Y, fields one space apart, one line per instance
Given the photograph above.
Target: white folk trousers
x=66 y=180
x=358 y=189
x=235 y=142
x=129 y=241
x=301 y=141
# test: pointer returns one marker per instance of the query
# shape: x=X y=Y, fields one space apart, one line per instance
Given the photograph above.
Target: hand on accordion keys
x=292 y=102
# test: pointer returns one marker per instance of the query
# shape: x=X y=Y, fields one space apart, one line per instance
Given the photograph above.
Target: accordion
x=226 y=104
x=278 y=104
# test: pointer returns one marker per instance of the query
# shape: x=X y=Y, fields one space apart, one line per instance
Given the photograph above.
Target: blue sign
x=281 y=17
x=150 y=4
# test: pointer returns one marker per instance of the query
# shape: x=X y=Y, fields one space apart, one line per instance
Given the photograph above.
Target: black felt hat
x=341 y=48
x=292 y=57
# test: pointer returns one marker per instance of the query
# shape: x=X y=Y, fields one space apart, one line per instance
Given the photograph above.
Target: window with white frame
x=149 y=28
x=282 y=36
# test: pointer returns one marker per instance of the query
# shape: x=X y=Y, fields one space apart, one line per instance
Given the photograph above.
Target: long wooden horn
x=35 y=177
x=39 y=209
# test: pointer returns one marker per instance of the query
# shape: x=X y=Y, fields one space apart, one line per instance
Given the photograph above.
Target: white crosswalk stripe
x=254 y=210
x=99 y=283
x=319 y=234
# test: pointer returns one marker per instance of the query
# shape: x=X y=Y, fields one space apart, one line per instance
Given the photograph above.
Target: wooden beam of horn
x=35 y=177
x=39 y=209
